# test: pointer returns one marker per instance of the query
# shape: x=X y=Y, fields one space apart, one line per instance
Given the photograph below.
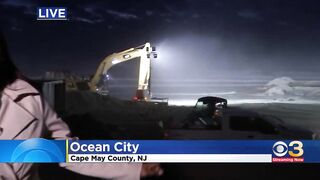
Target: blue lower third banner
x=162 y=151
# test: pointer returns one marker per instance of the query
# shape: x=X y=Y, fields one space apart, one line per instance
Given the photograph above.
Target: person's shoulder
x=20 y=88
x=26 y=96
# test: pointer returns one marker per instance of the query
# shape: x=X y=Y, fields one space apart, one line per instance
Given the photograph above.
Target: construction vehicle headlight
x=155 y=55
x=127 y=56
x=115 y=61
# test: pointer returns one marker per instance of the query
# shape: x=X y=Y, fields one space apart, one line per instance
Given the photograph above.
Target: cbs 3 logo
x=280 y=148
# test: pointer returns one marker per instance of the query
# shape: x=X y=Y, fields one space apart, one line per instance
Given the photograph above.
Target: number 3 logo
x=297 y=146
x=280 y=149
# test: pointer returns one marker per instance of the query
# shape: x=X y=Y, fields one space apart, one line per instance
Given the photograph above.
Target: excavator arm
x=144 y=52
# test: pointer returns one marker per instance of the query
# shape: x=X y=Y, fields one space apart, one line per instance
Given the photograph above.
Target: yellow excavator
x=145 y=52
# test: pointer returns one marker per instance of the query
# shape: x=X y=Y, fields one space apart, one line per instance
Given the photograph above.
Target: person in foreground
x=24 y=114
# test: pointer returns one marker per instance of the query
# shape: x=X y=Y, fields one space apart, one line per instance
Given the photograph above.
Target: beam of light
x=190 y=67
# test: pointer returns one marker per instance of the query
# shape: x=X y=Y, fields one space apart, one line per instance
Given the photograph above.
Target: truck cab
x=208 y=112
x=212 y=119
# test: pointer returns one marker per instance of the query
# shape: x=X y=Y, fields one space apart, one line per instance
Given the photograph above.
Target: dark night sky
x=242 y=35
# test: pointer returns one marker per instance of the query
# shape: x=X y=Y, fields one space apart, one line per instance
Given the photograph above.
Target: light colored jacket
x=24 y=114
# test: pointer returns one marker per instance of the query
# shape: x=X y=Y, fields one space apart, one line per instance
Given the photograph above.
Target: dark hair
x=8 y=71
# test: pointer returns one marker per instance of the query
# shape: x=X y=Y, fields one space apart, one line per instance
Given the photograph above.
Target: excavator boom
x=144 y=52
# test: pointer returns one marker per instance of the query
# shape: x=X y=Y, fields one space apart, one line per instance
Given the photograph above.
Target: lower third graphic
x=37 y=150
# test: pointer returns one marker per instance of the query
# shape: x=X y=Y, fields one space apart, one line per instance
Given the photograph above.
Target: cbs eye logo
x=280 y=149
x=37 y=150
